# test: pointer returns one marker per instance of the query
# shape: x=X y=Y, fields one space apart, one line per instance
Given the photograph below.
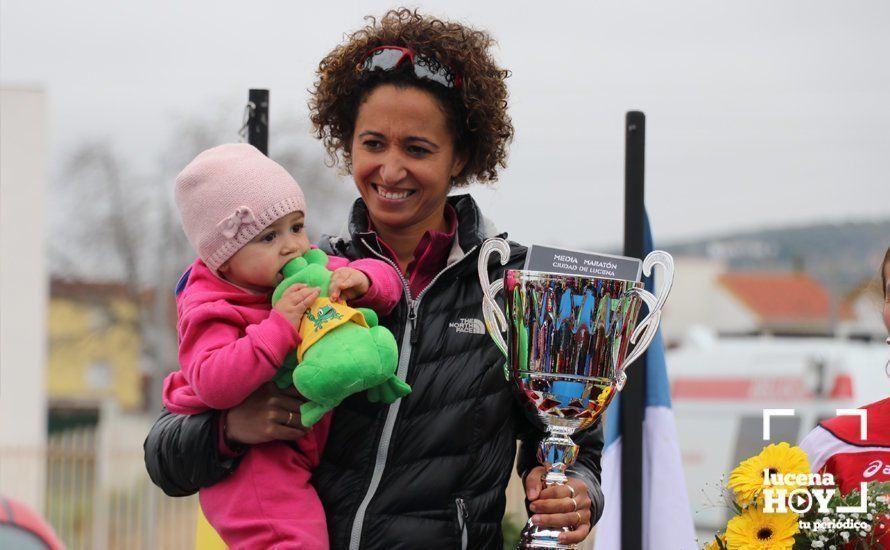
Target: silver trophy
x=567 y=351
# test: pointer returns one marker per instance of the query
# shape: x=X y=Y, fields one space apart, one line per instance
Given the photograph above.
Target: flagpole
x=634 y=393
x=258 y=119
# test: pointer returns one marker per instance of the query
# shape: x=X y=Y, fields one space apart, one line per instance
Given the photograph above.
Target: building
x=861 y=312
x=786 y=303
x=697 y=301
x=93 y=351
x=733 y=303
x=23 y=293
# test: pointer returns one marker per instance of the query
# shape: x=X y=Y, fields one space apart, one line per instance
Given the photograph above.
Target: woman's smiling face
x=403 y=157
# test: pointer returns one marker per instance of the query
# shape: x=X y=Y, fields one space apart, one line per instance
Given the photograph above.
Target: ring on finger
x=574 y=504
x=571 y=490
x=290 y=418
x=578 y=524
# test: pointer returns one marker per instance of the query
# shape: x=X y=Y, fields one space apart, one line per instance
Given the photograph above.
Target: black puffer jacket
x=428 y=471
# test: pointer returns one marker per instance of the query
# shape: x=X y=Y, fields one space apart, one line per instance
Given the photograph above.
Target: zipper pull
x=462 y=507
x=462 y=517
x=412 y=318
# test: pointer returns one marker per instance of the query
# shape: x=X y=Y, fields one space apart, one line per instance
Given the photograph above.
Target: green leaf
x=737 y=507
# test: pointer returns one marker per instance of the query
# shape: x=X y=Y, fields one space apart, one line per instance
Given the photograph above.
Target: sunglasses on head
x=387 y=58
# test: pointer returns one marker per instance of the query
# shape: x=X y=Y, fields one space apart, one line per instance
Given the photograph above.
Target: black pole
x=258 y=119
x=633 y=396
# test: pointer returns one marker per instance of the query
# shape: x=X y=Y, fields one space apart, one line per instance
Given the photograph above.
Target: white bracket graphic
x=769 y=413
x=863 y=420
x=863 y=501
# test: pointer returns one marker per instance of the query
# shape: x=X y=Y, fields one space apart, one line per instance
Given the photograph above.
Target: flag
x=666 y=521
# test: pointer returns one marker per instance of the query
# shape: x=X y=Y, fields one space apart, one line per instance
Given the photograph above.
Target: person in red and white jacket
x=836 y=446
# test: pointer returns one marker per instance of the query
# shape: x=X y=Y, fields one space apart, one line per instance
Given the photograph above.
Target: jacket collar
x=472 y=227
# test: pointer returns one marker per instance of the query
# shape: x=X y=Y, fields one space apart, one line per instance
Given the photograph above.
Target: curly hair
x=476 y=111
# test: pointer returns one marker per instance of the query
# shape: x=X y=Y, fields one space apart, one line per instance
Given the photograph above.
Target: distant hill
x=840 y=256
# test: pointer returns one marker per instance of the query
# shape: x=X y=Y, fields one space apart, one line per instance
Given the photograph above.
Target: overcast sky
x=760 y=113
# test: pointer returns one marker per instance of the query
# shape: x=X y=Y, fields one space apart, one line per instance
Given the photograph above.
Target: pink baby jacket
x=232 y=341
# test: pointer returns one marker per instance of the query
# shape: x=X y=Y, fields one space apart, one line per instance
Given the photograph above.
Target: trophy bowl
x=569 y=340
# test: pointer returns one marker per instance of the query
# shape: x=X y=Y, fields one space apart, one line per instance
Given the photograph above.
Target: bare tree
x=329 y=195
x=109 y=225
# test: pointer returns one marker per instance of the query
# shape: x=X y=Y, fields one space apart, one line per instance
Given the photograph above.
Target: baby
x=244 y=215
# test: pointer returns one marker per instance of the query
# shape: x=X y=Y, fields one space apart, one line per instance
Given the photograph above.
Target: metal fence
x=88 y=512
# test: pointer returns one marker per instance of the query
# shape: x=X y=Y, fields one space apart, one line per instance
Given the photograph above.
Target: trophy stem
x=556 y=452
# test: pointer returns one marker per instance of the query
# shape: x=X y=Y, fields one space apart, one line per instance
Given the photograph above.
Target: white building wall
x=688 y=303
x=698 y=300
x=24 y=290
x=867 y=318
x=729 y=316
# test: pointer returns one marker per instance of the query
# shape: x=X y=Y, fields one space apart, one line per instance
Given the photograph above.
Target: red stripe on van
x=746 y=389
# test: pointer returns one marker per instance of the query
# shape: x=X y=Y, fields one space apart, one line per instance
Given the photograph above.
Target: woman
x=412 y=107
x=836 y=446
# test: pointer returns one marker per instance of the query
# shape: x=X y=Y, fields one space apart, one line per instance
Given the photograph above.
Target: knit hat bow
x=230 y=225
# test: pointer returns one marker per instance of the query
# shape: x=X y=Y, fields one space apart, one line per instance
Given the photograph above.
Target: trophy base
x=536 y=537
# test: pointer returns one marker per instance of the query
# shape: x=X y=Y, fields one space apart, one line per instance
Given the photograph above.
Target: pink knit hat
x=230 y=193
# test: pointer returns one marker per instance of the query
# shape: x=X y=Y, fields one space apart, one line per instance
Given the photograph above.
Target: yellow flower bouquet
x=778 y=504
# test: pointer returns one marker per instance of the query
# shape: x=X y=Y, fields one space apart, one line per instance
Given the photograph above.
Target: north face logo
x=468 y=326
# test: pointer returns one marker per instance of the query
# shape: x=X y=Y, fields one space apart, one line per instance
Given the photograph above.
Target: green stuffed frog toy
x=343 y=350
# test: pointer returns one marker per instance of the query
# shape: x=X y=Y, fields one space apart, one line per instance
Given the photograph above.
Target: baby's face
x=258 y=264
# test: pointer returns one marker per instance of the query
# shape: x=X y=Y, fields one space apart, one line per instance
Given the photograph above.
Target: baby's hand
x=295 y=301
x=348 y=283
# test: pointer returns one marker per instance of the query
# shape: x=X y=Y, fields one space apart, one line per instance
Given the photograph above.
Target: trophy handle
x=645 y=332
x=495 y=320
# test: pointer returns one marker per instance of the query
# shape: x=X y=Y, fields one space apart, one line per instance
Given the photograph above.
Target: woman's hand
x=268 y=414
x=556 y=507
